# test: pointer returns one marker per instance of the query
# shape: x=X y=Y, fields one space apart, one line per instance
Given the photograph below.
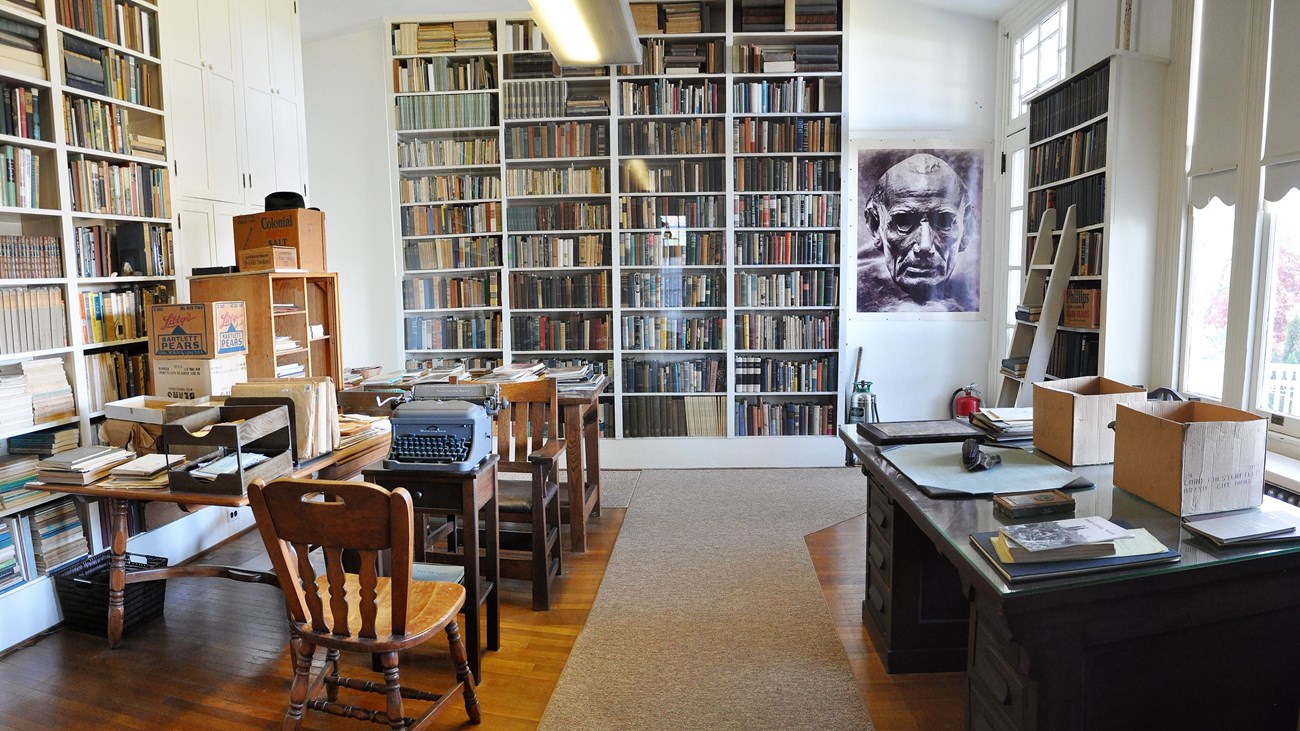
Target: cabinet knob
x=417 y=495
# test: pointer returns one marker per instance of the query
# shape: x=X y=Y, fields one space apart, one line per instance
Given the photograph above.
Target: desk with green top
x=1209 y=642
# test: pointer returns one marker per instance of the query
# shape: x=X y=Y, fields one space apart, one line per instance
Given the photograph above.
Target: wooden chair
x=360 y=612
x=527 y=440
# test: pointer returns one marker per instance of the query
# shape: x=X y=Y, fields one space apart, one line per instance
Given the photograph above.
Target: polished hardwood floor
x=218 y=658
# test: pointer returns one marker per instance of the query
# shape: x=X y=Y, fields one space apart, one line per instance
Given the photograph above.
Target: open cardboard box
x=1190 y=458
x=1072 y=417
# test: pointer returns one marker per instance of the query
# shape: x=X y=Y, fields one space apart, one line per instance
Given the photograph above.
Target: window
x=1038 y=59
x=1205 y=324
x=1278 y=390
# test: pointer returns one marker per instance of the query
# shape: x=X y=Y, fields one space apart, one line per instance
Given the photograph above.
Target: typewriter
x=442 y=430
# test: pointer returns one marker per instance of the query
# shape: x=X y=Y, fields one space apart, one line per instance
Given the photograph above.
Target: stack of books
x=15 y=473
x=1064 y=547
x=1028 y=313
x=285 y=343
x=683 y=18
x=646 y=18
x=511 y=372
x=57 y=537
x=575 y=379
x=1016 y=366
x=46 y=443
x=148 y=472
x=21 y=48
x=685 y=58
x=762 y=15
x=83 y=65
x=442 y=373
x=15 y=402
x=1275 y=521
x=815 y=15
x=585 y=105
x=817 y=57
x=778 y=59
x=290 y=370
x=140 y=145
x=472 y=36
x=83 y=465
x=47 y=382
x=1006 y=425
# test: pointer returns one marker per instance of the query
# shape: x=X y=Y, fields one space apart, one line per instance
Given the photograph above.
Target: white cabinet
x=204 y=237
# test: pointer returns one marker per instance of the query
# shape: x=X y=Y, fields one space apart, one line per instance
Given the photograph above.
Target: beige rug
x=710 y=615
x=616 y=486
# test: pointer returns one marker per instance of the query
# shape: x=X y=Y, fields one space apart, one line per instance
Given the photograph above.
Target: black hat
x=284 y=200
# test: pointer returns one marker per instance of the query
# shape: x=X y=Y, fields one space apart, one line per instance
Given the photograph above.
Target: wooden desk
x=1209 y=642
x=465 y=494
x=581 y=413
x=340 y=464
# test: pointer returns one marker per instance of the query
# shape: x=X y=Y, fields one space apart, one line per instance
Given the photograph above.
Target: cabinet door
x=188 y=142
x=222 y=96
x=259 y=148
x=195 y=240
x=215 y=37
x=285 y=47
x=288 y=143
x=179 y=28
x=255 y=44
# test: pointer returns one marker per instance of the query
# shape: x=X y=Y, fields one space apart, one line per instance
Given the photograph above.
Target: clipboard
x=889 y=433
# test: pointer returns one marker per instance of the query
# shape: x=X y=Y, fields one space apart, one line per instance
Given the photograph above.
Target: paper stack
x=1275 y=521
x=1006 y=425
x=46 y=443
x=83 y=465
x=57 y=536
x=315 y=406
x=12 y=572
x=15 y=473
x=47 y=382
x=146 y=472
x=15 y=402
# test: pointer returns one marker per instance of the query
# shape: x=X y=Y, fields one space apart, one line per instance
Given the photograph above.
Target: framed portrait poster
x=920 y=214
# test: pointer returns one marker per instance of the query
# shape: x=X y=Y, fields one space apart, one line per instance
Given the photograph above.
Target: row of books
x=476 y=332
x=542 y=250
x=787 y=247
x=675 y=176
x=673 y=289
x=765 y=16
x=810 y=288
x=674 y=416
x=21 y=115
x=104 y=71
x=660 y=57
x=701 y=211
x=1065 y=157
x=781 y=418
x=751 y=134
x=475 y=109
x=45 y=443
x=32 y=318
x=776 y=174
x=671 y=248
x=1075 y=103
x=538 y=291
x=673 y=332
x=129 y=249
x=21 y=48
x=535 y=99
x=1074 y=354
x=441 y=73
x=125 y=24
x=119 y=314
x=426 y=293
x=447 y=152
x=114 y=374
x=697 y=375
x=465 y=36
x=566 y=216
x=665 y=96
x=756 y=331
x=30 y=257
x=120 y=189
x=572 y=180
x=433 y=188
x=571 y=331
x=788 y=209
x=671 y=136
x=762 y=374
x=796 y=96
x=20 y=178
x=426 y=220
x=557 y=139
x=753 y=58
x=1087 y=194
x=452 y=253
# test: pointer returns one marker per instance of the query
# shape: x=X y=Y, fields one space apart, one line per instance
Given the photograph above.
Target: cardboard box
x=300 y=228
x=188 y=379
x=139 y=437
x=1190 y=458
x=142 y=409
x=269 y=259
x=199 y=330
x=1072 y=417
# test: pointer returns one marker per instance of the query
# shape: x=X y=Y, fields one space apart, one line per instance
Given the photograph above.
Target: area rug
x=616 y=486
x=710 y=615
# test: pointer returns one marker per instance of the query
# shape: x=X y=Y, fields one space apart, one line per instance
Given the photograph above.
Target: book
x=1242 y=527
x=147 y=465
x=1141 y=549
x=1026 y=504
x=1061 y=540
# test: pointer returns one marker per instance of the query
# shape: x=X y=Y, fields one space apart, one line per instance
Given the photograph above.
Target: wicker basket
x=82 y=588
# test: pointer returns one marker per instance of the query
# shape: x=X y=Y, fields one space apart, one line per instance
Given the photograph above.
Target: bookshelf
x=676 y=222
x=1094 y=146
x=85 y=231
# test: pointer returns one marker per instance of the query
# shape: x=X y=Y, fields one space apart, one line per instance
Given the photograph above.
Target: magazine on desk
x=1139 y=549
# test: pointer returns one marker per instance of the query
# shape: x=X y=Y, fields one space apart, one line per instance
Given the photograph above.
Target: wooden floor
x=218 y=658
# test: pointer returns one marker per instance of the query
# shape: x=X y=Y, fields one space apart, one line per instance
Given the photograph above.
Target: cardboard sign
x=200 y=330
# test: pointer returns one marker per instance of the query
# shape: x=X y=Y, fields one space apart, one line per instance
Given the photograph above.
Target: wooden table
x=581 y=413
x=340 y=464
x=465 y=494
x=1208 y=642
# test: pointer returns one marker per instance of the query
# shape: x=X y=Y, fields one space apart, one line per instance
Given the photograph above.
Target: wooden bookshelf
x=677 y=222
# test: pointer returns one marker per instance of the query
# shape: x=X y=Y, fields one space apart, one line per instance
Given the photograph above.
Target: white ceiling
x=324 y=18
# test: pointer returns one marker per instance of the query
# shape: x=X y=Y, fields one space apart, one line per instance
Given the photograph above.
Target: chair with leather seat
x=356 y=612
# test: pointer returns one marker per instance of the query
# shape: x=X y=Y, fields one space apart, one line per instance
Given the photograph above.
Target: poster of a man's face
x=919 y=234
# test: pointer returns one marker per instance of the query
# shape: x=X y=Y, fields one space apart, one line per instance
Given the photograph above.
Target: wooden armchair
x=527 y=440
x=360 y=612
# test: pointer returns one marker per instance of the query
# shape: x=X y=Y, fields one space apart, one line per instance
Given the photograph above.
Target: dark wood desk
x=465 y=494
x=581 y=412
x=340 y=465
x=1212 y=641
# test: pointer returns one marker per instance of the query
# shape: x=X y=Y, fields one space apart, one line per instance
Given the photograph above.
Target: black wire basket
x=82 y=588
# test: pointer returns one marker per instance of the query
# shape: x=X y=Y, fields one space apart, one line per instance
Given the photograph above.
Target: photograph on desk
x=1051 y=549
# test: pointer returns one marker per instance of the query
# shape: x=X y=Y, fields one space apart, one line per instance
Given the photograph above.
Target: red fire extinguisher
x=965 y=401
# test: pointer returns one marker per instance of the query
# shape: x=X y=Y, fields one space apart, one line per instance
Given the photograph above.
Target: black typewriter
x=451 y=435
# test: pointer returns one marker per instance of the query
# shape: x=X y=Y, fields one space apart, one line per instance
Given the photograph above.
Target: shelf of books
x=1092 y=146
x=85 y=247
x=674 y=222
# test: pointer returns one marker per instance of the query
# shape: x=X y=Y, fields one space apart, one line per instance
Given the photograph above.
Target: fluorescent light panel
x=588 y=32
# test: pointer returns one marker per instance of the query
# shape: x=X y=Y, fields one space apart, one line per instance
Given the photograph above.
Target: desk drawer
x=995 y=685
x=880 y=559
x=879 y=609
x=880 y=514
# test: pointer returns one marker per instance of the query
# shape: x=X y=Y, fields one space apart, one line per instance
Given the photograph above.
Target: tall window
x=1278 y=390
x=1038 y=59
x=1209 y=271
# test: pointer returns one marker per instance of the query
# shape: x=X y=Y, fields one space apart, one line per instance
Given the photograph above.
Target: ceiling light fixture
x=588 y=32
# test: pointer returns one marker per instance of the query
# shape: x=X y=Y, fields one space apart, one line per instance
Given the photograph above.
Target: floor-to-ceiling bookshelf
x=676 y=222
x=86 y=220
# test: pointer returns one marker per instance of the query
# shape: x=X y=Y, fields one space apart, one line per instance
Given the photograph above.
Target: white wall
x=921 y=73
x=344 y=81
